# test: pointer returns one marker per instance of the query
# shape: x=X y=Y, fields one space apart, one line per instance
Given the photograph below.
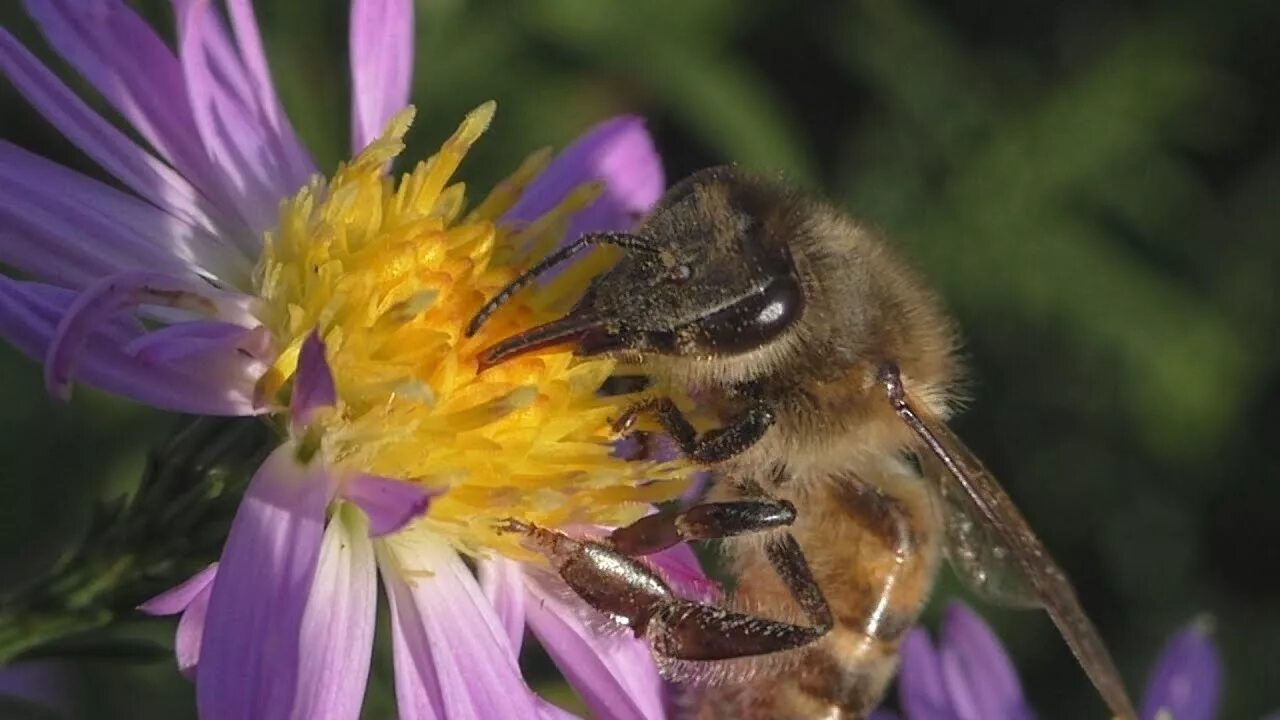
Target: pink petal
x=297 y=164
x=177 y=598
x=977 y=672
x=337 y=628
x=614 y=674
x=113 y=150
x=503 y=583
x=188 y=639
x=195 y=341
x=249 y=665
x=1186 y=680
x=381 y=48
x=389 y=504
x=551 y=711
x=257 y=165
x=920 y=687
x=230 y=135
x=123 y=58
x=679 y=566
x=219 y=382
x=313 y=386
x=620 y=153
x=451 y=655
x=65 y=228
x=106 y=298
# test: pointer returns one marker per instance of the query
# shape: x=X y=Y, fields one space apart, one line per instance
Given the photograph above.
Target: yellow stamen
x=388 y=276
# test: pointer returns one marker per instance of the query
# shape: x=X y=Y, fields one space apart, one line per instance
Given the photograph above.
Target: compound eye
x=752 y=321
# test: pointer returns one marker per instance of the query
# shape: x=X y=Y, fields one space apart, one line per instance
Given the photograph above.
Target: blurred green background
x=1093 y=186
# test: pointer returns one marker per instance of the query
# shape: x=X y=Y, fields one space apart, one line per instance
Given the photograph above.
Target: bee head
x=708 y=276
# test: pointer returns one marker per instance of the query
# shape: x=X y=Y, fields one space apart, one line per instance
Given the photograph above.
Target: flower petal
x=381 y=49
x=65 y=228
x=452 y=659
x=679 y=566
x=979 y=676
x=254 y=161
x=313 y=386
x=218 y=382
x=920 y=688
x=249 y=664
x=1187 y=678
x=503 y=583
x=197 y=339
x=190 y=635
x=551 y=711
x=618 y=152
x=191 y=598
x=134 y=166
x=337 y=628
x=177 y=598
x=390 y=504
x=127 y=62
x=106 y=298
x=613 y=673
x=298 y=165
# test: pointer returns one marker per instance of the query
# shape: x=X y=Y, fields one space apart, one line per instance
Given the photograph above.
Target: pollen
x=389 y=273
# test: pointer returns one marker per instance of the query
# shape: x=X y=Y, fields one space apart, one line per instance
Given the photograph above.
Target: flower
x=1186 y=681
x=968 y=675
x=231 y=279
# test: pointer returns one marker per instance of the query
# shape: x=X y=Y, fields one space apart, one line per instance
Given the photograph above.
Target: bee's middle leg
x=706 y=521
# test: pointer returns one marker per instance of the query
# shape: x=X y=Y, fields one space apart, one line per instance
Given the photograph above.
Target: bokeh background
x=1093 y=186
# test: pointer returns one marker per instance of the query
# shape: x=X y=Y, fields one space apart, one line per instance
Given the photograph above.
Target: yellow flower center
x=389 y=274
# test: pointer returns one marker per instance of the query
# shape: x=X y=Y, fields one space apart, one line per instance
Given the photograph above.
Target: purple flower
x=220 y=157
x=228 y=278
x=1186 y=681
x=968 y=675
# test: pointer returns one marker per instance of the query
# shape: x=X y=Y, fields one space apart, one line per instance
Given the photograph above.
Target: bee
x=838 y=487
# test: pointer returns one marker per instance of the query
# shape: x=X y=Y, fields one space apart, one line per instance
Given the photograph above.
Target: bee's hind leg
x=634 y=595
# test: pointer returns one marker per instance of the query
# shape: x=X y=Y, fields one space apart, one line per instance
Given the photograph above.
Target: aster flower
x=968 y=675
x=229 y=278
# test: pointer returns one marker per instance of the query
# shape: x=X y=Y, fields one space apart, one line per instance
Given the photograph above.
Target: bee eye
x=753 y=321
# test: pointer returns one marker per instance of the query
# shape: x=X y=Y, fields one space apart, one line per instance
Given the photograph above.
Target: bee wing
x=976 y=550
x=988 y=507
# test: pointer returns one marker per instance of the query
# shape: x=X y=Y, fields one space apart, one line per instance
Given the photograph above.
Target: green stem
x=173 y=526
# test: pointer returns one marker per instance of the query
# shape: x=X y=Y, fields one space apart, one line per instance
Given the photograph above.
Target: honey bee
x=838 y=486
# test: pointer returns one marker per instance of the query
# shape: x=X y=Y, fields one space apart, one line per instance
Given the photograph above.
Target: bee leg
x=685 y=630
x=623 y=588
x=707 y=521
x=714 y=446
x=634 y=595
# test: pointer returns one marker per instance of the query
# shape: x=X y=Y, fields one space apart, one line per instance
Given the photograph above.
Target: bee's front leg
x=713 y=446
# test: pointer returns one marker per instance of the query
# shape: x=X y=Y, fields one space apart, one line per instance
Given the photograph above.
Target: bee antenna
x=622 y=240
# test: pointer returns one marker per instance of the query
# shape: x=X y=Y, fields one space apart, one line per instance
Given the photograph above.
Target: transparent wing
x=993 y=512
x=977 y=552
